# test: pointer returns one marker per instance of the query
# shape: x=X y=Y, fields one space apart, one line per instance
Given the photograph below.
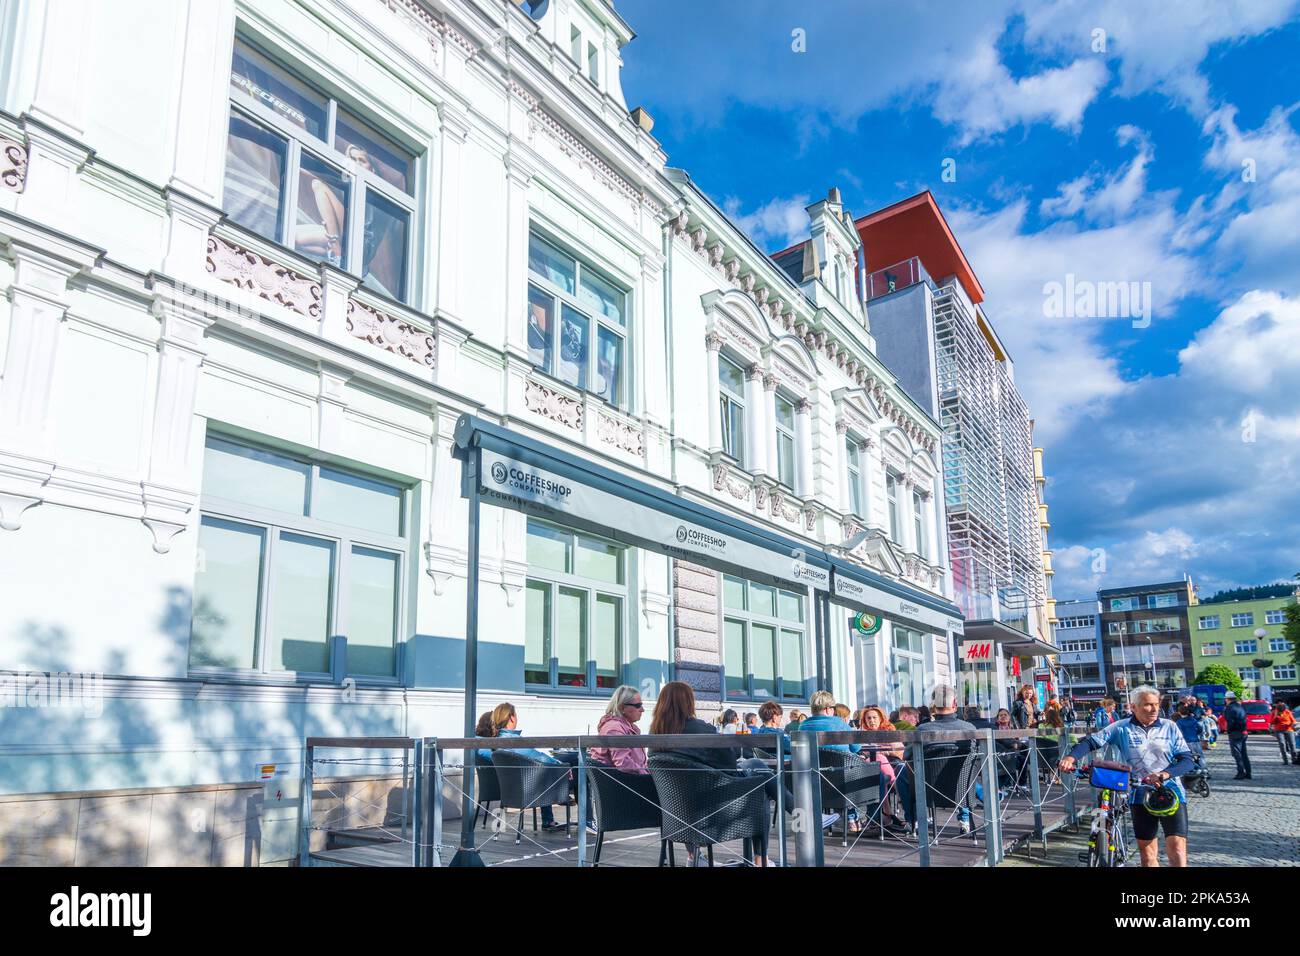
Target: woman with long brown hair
x=503 y=721
x=894 y=773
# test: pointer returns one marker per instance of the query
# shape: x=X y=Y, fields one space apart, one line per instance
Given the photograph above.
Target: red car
x=1257 y=716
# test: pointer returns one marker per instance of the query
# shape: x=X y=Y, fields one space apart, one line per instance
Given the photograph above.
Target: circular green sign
x=865 y=623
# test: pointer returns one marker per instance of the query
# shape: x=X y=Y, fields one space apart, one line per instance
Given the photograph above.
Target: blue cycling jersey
x=1152 y=749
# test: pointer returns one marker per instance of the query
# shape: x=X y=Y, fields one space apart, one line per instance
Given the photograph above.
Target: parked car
x=1257 y=712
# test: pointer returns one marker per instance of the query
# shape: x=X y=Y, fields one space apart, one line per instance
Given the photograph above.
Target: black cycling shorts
x=1146 y=825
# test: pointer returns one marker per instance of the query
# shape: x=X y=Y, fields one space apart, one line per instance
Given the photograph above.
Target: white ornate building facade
x=259 y=257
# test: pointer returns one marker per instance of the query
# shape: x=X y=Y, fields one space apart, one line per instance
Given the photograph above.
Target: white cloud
x=980 y=97
x=1105 y=198
x=1159 y=47
x=777 y=224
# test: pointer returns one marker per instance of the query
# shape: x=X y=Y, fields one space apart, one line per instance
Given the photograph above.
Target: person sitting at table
x=505 y=723
x=824 y=718
x=675 y=714
x=1013 y=752
x=843 y=713
x=752 y=722
x=730 y=721
x=894 y=773
x=909 y=718
x=796 y=718
x=625 y=708
x=769 y=716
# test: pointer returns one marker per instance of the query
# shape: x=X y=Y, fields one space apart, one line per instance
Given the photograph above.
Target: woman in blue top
x=504 y=722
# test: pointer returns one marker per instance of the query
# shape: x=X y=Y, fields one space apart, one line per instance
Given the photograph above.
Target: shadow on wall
x=71 y=732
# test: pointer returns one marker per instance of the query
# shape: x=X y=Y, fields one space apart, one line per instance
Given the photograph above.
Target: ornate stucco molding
x=391 y=334
x=13 y=169
x=263 y=277
x=620 y=434
x=553 y=404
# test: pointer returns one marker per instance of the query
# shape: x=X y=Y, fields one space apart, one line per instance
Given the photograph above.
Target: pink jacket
x=629 y=759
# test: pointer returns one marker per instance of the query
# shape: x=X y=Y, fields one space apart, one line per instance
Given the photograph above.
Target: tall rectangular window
x=785 y=441
x=577 y=322
x=731 y=389
x=853 y=455
x=909 y=666
x=763 y=637
x=575 y=45
x=303 y=171
x=574 y=615
x=918 y=524
x=593 y=64
x=291 y=553
x=891 y=499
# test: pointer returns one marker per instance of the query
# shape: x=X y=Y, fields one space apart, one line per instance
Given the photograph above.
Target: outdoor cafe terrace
x=395 y=801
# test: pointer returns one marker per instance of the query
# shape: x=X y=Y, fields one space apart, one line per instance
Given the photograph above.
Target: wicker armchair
x=848 y=782
x=487 y=790
x=623 y=801
x=702 y=806
x=527 y=784
x=950 y=780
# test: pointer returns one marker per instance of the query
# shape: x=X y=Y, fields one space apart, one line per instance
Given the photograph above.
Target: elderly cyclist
x=1159 y=755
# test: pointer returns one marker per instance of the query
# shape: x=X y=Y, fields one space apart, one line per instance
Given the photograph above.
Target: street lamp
x=1152 y=649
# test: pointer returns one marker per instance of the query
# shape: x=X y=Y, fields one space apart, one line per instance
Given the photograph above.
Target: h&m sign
x=977 y=651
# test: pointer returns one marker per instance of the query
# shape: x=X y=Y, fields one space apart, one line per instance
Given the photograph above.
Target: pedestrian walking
x=1282 y=723
x=1234 y=715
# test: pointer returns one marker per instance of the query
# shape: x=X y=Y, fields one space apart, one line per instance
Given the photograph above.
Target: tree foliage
x=1220 y=674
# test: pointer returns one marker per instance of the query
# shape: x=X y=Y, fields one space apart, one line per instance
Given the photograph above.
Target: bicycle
x=1107 y=839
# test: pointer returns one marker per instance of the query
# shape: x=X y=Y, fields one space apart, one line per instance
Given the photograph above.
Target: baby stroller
x=1198 y=780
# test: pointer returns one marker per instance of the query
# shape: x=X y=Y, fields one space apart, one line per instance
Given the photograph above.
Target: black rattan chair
x=623 y=801
x=487 y=790
x=848 y=782
x=702 y=806
x=949 y=780
x=527 y=784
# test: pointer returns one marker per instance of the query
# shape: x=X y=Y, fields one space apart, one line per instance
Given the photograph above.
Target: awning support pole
x=466 y=855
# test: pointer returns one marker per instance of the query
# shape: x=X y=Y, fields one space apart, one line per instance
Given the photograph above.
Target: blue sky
x=1109 y=139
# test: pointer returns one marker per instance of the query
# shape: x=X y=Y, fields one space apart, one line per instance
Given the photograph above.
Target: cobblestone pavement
x=1252 y=822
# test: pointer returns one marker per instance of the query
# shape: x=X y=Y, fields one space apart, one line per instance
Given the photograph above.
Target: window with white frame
x=731 y=392
x=1284 y=672
x=1248 y=673
x=853 y=456
x=593 y=64
x=909 y=666
x=1243 y=620
x=892 y=482
x=763 y=638
x=305 y=171
x=292 y=552
x=1275 y=617
x=1078 y=647
x=918 y=524
x=1245 y=647
x=1279 y=644
x=1212 y=649
x=577 y=322
x=575 y=45
x=1074 y=622
x=786 y=444
x=1208 y=623
x=574 y=610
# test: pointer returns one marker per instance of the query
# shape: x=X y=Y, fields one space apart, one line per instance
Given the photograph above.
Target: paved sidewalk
x=1252 y=822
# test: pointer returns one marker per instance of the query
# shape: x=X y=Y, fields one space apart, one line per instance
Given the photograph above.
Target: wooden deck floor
x=373 y=848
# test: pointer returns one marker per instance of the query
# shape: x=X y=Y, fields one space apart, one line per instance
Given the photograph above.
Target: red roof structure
x=916 y=227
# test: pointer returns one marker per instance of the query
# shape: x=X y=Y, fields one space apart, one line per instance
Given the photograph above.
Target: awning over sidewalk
x=1014 y=643
x=865 y=590
x=518 y=472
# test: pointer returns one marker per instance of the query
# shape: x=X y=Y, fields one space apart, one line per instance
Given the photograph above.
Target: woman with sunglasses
x=620 y=719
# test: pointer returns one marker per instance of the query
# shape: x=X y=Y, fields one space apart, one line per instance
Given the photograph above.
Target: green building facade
x=1247 y=637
